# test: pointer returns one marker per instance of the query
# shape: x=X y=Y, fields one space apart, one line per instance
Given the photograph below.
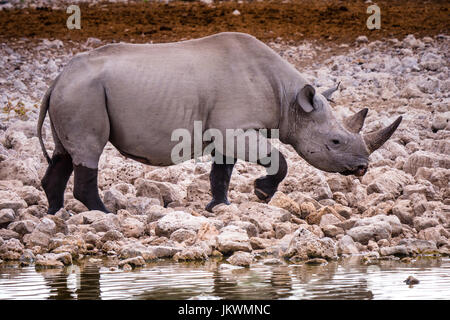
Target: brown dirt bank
x=336 y=21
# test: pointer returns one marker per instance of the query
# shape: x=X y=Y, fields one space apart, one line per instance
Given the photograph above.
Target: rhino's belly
x=150 y=160
x=145 y=149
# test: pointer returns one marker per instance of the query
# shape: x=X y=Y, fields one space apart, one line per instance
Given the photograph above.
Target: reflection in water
x=334 y=281
x=346 y=279
x=89 y=283
x=281 y=282
x=58 y=286
x=87 y=288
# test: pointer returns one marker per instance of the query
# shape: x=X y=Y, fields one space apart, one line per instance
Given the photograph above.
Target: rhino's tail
x=42 y=113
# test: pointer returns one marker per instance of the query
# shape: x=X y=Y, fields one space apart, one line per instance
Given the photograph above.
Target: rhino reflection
x=281 y=281
x=305 y=273
x=87 y=286
x=325 y=285
x=57 y=281
x=343 y=279
x=248 y=284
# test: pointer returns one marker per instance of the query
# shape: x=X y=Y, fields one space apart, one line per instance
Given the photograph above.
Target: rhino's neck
x=291 y=82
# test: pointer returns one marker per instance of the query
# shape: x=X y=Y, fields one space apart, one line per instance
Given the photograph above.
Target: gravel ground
x=331 y=21
x=400 y=208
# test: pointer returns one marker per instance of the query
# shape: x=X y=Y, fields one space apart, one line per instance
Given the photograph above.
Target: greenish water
x=344 y=279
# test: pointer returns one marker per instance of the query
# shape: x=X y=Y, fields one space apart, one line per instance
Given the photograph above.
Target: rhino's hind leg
x=220 y=180
x=55 y=180
x=85 y=188
x=78 y=111
x=266 y=186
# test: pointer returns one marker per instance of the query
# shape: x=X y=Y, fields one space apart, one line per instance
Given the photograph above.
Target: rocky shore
x=399 y=209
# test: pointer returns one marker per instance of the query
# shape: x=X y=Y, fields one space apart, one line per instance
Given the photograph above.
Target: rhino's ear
x=327 y=93
x=305 y=98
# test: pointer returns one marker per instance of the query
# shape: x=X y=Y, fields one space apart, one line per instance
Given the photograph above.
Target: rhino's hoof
x=53 y=210
x=264 y=189
x=261 y=194
x=209 y=207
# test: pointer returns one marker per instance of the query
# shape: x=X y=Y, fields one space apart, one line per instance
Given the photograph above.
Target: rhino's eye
x=335 y=141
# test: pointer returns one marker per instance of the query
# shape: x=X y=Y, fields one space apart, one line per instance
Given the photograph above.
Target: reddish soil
x=331 y=21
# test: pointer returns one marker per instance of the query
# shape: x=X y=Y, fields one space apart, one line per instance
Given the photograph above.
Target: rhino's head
x=328 y=144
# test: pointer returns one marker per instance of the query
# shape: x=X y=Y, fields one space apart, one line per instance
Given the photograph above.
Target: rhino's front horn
x=376 y=139
x=355 y=122
x=327 y=93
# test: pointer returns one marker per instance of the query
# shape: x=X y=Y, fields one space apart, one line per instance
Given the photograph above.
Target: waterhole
x=343 y=279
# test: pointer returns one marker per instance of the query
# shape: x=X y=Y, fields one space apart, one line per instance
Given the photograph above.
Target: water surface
x=344 y=279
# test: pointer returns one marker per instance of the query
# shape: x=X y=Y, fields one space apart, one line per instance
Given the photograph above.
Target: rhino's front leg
x=266 y=186
x=220 y=180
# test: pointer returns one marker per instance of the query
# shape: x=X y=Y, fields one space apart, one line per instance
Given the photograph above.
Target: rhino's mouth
x=360 y=171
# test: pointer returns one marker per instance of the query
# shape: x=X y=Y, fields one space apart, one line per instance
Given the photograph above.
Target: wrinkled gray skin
x=136 y=95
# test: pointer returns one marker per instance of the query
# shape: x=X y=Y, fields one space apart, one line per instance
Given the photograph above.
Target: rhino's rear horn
x=327 y=93
x=355 y=122
x=376 y=139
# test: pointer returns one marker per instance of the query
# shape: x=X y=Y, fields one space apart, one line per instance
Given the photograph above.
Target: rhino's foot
x=209 y=207
x=220 y=179
x=55 y=180
x=265 y=188
x=86 y=190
